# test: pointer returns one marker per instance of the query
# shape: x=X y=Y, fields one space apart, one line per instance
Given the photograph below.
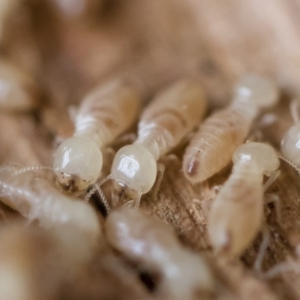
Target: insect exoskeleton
x=219 y=135
x=37 y=199
x=103 y=115
x=153 y=247
x=290 y=143
x=237 y=211
x=164 y=123
x=18 y=91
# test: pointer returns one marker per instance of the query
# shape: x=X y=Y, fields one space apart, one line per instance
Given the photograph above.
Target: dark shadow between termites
x=96 y=201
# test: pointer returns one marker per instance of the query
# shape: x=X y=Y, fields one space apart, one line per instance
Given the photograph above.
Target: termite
x=37 y=199
x=18 y=91
x=154 y=248
x=163 y=124
x=290 y=143
x=212 y=147
x=103 y=115
x=237 y=212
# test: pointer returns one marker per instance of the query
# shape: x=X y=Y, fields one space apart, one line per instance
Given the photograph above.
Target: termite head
x=258 y=90
x=262 y=155
x=134 y=170
x=77 y=164
x=290 y=144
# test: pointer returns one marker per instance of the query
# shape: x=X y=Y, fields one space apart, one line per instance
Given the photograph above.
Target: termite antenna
x=294 y=166
x=294 y=109
x=97 y=188
x=262 y=250
x=286 y=266
x=33 y=168
x=103 y=198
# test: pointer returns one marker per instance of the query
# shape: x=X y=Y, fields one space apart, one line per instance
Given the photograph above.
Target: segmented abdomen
x=212 y=147
x=107 y=111
x=170 y=116
x=237 y=211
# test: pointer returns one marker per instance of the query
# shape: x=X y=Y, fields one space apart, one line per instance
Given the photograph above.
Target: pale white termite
x=154 y=248
x=103 y=114
x=290 y=143
x=18 y=91
x=37 y=199
x=237 y=211
x=164 y=123
x=218 y=137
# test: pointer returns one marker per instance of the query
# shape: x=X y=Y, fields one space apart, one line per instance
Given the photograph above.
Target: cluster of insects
x=175 y=116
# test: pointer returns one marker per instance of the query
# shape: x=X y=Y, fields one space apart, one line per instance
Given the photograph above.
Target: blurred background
x=72 y=45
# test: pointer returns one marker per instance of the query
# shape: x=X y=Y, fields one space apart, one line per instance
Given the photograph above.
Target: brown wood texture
x=158 y=42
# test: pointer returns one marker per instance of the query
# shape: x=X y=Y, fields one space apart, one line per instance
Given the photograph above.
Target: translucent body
x=163 y=124
x=103 y=115
x=237 y=211
x=262 y=155
x=154 y=247
x=78 y=163
x=290 y=145
x=129 y=167
x=36 y=199
x=18 y=91
x=212 y=147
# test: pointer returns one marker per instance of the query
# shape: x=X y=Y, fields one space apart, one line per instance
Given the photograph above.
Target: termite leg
x=138 y=201
x=97 y=188
x=262 y=250
x=160 y=172
x=129 y=204
x=72 y=112
x=271 y=179
x=272 y=198
x=287 y=266
x=212 y=193
x=207 y=201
